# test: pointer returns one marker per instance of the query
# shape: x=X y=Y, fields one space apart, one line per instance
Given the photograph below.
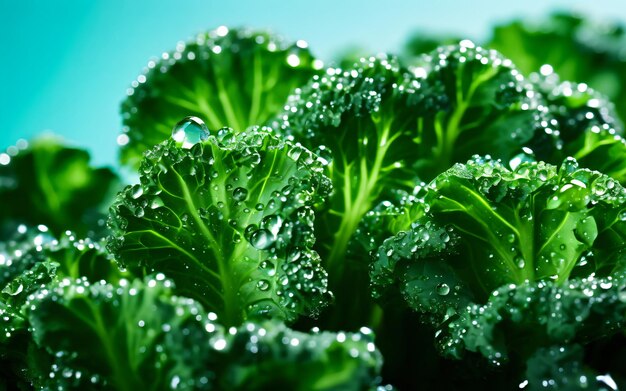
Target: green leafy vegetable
x=506 y=262
x=31 y=261
x=235 y=78
x=381 y=126
x=55 y=187
x=133 y=336
x=580 y=50
x=167 y=342
x=299 y=361
x=230 y=220
x=563 y=368
x=259 y=258
x=589 y=129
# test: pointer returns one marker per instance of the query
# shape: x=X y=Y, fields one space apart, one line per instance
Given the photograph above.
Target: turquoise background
x=65 y=65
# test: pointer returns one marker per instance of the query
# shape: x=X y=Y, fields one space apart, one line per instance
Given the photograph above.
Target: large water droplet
x=272 y=223
x=190 y=131
x=139 y=212
x=261 y=239
x=442 y=289
x=137 y=191
x=324 y=155
x=263 y=285
x=240 y=194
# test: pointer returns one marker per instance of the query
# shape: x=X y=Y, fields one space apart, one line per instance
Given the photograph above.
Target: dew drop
x=606 y=285
x=13 y=291
x=295 y=152
x=157 y=202
x=272 y=223
x=442 y=289
x=137 y=191
x=261 y=239
x=225 y=136
x=175 y=382
x=263 y=285
x=139 y=212
x=240 y=194
x=190 y=131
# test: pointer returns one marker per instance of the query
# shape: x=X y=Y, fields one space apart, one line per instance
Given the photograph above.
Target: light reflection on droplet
x=190 y=131
x=222 y=31
x=293 y=60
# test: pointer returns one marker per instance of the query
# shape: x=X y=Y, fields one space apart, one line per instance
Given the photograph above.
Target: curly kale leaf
x=531 y=223
x=511 y=260
x=33 y=259
x=564 y=368
x=580 y=50
x=127 y=336
x=519 y=320
x=380 y=126
x=542 y=313
x=235 y=78
x=485 y=106
x=30 y=261
x=138 y=336
x=393 y=215
x=230 y=220
x=271 y=356
x=589 y=129
x=48 y=183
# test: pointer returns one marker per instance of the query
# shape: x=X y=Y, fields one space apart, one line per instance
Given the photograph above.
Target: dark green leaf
x=51 y=184
x=137 y=336
x=271 y=356
x=31 y=261
x=234 y=78
x=589 y=130
x=380 y=126
x=563 y=368
x=518 y=320
x=580 y=50
x=507 y=262
x=130 y=336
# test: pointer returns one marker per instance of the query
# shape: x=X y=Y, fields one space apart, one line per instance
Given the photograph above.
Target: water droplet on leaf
x=190 y=131
x=261 y=239
x=442 y=289
x=240 y=194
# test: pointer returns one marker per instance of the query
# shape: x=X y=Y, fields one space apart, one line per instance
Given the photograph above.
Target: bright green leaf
x=230 y=220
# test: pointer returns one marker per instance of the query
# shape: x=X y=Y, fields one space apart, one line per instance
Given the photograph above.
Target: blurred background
x=67 y=64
